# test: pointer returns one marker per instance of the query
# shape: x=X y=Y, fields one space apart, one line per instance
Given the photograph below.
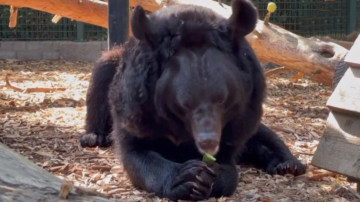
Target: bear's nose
x=208 y=142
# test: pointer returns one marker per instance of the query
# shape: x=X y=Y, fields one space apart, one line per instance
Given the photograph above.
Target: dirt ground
x=45 y=127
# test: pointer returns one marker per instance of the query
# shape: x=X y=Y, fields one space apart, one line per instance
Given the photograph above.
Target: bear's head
x=204 y=79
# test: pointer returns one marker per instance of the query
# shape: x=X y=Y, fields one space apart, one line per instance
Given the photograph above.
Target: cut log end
x=56 y=19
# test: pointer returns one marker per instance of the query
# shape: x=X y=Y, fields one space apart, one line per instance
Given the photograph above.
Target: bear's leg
x=226 y=181
x=267 y=151
x=98 y=121
x=191 y=180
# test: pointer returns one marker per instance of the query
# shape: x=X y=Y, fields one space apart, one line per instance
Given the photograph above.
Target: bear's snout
x=208 y=142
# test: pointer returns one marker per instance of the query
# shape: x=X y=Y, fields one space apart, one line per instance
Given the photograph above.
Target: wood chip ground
x=45 y=127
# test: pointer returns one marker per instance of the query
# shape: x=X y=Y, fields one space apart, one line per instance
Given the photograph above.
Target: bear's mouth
x=207 y=143
x=212 y=151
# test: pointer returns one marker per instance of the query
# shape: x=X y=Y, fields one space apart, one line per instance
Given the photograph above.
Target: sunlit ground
x=45 y=128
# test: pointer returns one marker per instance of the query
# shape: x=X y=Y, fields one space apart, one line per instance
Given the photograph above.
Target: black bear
x=186 y=83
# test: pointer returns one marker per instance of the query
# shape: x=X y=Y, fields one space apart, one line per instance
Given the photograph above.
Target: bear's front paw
x=193 y=181
x=94 y=140
x=289 y=166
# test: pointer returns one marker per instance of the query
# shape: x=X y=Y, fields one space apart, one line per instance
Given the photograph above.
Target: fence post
x=352 y=16
x=118 y=16
x=79 y=31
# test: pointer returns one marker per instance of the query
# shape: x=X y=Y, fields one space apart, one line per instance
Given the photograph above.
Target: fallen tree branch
x=30 y=90
x=276 y=71
x=298 y=76
x=318 y=174
x=314 y=58
x=67 y=187
x=21 y=180
x=297 y=53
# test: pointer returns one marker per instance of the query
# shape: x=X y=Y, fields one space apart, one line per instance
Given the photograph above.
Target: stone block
x=104 y=45
x=51 y=55
x=56 y=45
x=6 y=46
x=19 y=45
x=29 y=55
x=80 y=51
x=33 y=45
x=7 y=54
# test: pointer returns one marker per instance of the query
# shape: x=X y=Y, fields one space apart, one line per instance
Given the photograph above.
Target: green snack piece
x=208 y=158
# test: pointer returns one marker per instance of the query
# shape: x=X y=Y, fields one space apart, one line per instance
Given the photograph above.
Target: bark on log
x=270 y=42
x=89 y=11
x=23 y=181
x=345 y=44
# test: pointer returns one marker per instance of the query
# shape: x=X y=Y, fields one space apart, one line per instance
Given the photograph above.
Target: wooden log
x=345 y=44
x=89 y=11
x=270 y=42
x=23 y=181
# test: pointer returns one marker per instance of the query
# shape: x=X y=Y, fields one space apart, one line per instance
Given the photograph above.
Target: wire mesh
x=358 y=15
x=94 y=33
x=35 y=25
x=309 y=17
x=303 y=17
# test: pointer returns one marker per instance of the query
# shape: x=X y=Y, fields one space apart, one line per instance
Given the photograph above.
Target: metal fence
x=309 y=17
x=33 y=25
x=303 y=17
x=358 y=15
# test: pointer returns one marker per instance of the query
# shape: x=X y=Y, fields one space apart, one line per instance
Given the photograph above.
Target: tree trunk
x=270 y=42
x=23 y=181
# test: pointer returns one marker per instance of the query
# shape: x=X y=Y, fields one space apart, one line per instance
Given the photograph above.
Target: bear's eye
x=219 y=100
x=185 y=105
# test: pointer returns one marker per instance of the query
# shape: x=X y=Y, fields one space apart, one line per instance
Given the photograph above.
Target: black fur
x=186 y=82
x=98 y=123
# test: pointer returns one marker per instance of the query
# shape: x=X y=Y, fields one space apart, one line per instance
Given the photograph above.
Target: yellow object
x=208 y=158
x=271 y=7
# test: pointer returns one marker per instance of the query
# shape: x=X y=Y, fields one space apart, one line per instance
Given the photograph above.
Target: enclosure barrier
x=303 y=17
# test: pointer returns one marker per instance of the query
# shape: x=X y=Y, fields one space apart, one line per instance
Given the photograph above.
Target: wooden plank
x=353 y=56
x=339 y=148
x=346 y=96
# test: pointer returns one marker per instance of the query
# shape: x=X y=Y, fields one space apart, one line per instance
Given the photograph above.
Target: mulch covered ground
x=45 y=127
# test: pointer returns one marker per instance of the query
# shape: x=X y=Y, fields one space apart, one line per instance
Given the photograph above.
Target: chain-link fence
x=303 y=17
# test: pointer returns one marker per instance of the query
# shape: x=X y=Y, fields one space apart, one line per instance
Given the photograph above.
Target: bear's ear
x=243 y=18
x=140 y=24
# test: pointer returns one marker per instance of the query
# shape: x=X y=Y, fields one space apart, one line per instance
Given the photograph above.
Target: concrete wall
x=52 y=50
